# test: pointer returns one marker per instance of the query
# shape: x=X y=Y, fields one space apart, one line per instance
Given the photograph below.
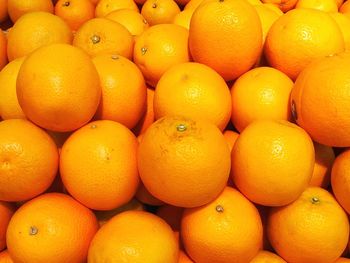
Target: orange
x=265 y=256
x=324 y=158
x=339 y=3
x=192 y=5
x=57 y=95
x=183 y=18
x=145 y=197
x=342 y=260
x=3 y=10
x=51 y=228
x=134 y=236
x=314 y=228
x=17 y=8
x=104 y=7
x=9 y=106
x=75 y=12
x=328 y=124
x=3 y=49
x=272 y=162
x=148 y=116
x=290 y=49
x=28 y=158
x=160 y=47
x=98 y=165
x=195 y=91
x=5 y=257
x=6 y=212
x=183 y=258
x=123 y=90
x=45 y=29
x=284 y=5
x=159 y=11
x=235 y=41
x=322 y=5
x=102 y=35
x=228 y=229
x=343 y=22
x=231 y=137
x=131 y=19
x=184 y=162
x=261 y=93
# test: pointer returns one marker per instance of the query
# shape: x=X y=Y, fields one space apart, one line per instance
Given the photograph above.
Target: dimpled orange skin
x=6 y=211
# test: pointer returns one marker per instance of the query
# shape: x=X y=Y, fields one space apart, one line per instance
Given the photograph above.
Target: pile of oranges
x=174 y=131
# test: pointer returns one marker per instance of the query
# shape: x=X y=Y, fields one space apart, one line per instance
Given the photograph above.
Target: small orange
x=231 y=137
x=134 y=236
x=183 y=258
x=57 y=95
x=102 y=35
x=183 y=18
x=45 y=29
x=195 y=91
x=343 y=22
x=322 y=5
x=6 y=212
x=17 y=8
x=160 y=47
x=228 y=229
x=3 y=10
x=28 y=158
x=123 y=90
x=104 y=7
x=75 y=12
x=148 y=115
x=159 y=11
x=51 y=228
x=145 y=197
x=314 y=228
x=284 y=5
x=5 y=257
x=265 y=256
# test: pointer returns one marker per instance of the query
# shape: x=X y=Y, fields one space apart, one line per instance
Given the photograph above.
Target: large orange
x=104 y=7
x=261 y=93
x=299 y=37
x=158 y=48
x=28 y=158
x=226 y=35
x=134 y=236
x=228 y=229
x=195 y=91
x=51 y=228
x=265 y=256
x=98 y=165
x=314 y=228
x=327 y=124
x=5 y=257
x=123 y=90
x=272 y=162
x=17 y=8
x=57 y=95
x=148 y=116
x=159 y=11
x=3 y=49
x=6 y=211
x=343 y=22
x=45 y=29
x=184 y=162
x=3 y=10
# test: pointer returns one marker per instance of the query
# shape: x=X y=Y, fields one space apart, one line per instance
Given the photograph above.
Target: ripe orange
x=290 y=49
x=9 y=106
x=184 y=162
x=160 y=47
x=123 y=90
x=195 y=91
x=145 y=197
x=28 y=158
x=314 y=228
x=322 y=5
x=159 y=11
x=45 y=29
x=272 y=162
x=17 y=8
x=228 y=229
x=261 y=93
x=3 y=10
x=104 y=7
x=148 y=115
x=235 y=41
x=98 y=165
x=134 y=236
x=57 y=95
x=265 y=256
x=75 y=12
x=6 y=212
x=329 y=124
x=5 y=257
x=231 y=138
x=343 y=22
x=102 y=35
x=183 y=258
x=3 y=50
x=284 y=5
x=51 y=228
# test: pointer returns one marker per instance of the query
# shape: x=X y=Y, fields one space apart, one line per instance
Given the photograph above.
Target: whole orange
x=17 y=8
x=6 y=211
x=159 y=11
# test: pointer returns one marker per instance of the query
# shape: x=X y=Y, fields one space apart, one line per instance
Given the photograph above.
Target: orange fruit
x=289 y=49
x=9 y=106
x=3 y=10
x=104 y=7
x=231 y=137
x=272 y=162
x=145 y=197
x=131 y=19
x=148 y=116
x=75 y=12
x=235 y=32
x=184 y=162
x=6 y=212
x=57 y=95
x=45 y=29
x=98 y=165
x=183 y=258
x=329 y=124
x=324 y=158
x=228 y=229
x=159 y=11
x=134 y=236
x=195 y=91
x=342 y=260
x=102 y=35
x=51 y=228
x=3 y=50
x=5 y=257
x=314 y=228
x=183 y=19
x=160 y=47
x=343 y=22
x=123 y=90
x=18 y=8
x=284 y=5
x=29 y=160
x=192 y=5
x=322 y=5
x=265 y=256
x=261 y=93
